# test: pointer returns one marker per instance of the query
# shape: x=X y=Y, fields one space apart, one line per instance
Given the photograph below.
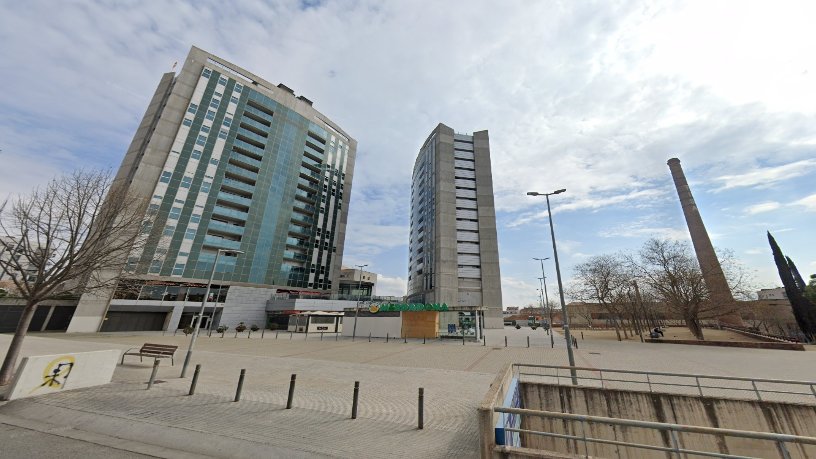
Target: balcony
x=305 y=196
x=223 y=227
x=311 y=162
x=242 y=172
x=298 y=243
x=307 y=185
x=305 y=208
x=302 y=219
x=297 y=256
x=230 y=213
x=259 y=116
x=221 y=243
x=236 y=185
x=254 y=126
x=310 y=176
x=244 y=160
x=299 y=230
x=313 y=149
x=251 y=136
x=248 y=147
x=234 y=198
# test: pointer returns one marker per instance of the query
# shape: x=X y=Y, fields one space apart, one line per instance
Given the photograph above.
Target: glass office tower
x=225 y=160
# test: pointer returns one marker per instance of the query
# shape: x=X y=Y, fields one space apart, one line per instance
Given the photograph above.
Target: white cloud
x=762 y=207
x=516 y=292
x=765 y=177
x=808 y=202
x=391 y=286
x=644 y=229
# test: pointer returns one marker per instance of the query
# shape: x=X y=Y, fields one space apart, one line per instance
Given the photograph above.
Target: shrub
x=187 y=330
x=254 y=327
x=240 y=327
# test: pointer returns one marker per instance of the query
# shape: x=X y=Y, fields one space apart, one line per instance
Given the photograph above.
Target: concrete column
x=175 y=316
x=47 y=318
x=706 y=256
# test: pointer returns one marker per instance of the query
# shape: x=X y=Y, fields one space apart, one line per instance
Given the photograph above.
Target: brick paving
x=455 y=378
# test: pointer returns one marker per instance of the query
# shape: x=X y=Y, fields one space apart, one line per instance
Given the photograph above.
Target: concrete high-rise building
x=225 y=160
x=454 y=255
x=706 y=256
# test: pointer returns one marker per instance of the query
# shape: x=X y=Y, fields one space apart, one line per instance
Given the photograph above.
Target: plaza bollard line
x=153 y=374
x=195 y=380
x=240 y=385
x=355 y=399
x=421 y=409
x=291 y=392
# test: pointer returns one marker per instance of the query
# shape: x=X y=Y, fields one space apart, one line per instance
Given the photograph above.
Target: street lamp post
x=201 y=312
x=543 y=281
x=567 y=335
x=359 y=295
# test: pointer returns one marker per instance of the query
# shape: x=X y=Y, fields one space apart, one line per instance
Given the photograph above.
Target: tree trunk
x=694 y=326
x=617 y=328
x=10 y=362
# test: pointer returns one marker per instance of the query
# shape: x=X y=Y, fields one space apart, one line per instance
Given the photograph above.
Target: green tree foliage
x=803 y=310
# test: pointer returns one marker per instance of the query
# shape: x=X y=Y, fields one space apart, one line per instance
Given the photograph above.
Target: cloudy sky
x=593 y=97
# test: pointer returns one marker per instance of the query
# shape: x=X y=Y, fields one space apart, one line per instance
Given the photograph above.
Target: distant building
x=355 y=283
x=227 y=162
x=772 y=294
x=453 y=250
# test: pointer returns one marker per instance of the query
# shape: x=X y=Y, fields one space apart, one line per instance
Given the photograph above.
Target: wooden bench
x=156 y=351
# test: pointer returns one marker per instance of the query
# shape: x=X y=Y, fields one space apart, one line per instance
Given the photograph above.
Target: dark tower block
x=709 y=264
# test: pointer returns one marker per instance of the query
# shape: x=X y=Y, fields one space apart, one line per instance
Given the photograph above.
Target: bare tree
x=671 y=272
x=604 y=279
x=67 y=238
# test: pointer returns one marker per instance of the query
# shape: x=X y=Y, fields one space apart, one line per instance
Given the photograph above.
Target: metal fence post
x=240 y=385
x=355 y=399
x=153 y=374
x=759 y=396
x=421 y=402
x=291 y=392
x=783 y=451
x=195 y=379
x=675 y=443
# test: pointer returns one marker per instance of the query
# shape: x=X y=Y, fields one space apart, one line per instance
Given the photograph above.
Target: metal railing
x=781 y=441
x=761 y=389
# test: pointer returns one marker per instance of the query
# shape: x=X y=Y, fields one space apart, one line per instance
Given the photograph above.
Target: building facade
x=454 y=256
x=226 y=161
x=356 y=284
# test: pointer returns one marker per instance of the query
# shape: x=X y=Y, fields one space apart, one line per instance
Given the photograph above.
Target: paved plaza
x=165 y=422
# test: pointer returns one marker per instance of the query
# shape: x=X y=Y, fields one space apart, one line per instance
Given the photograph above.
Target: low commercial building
x=415 y=320
x=316 y=322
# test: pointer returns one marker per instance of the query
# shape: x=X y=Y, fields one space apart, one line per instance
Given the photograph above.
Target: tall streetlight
x=201 y=312
x=567 y=335
x=543 y=281
x=359 y=295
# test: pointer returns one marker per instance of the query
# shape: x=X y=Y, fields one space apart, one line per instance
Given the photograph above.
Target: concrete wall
x=698 y=411
x=379 y=327
x=45 y=374
x=245 y=304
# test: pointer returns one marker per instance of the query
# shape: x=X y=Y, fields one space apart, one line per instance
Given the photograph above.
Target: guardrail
x=780 y=440
x=777 y=390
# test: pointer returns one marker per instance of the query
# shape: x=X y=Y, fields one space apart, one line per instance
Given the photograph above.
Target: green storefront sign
x=374 y=308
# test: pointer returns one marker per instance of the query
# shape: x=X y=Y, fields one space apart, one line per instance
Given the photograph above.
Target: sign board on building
x=45 y=374
x=375 y=308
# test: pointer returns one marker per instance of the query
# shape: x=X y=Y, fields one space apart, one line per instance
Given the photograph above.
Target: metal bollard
x=421 y=402
x=240 y=385
x=355 y=399
x=236 y=334
x=387 y=336
x=306 y=335
x=321 y=336
x=484 y=340
x=423 y=339
x=369 y=337
x=195 y=379
x=505 y=340
x=582 y=335
x=153 y=374
x=276 y=334
x=336 y=335
x=528 y=341
x=290 y=336
x=175 y=331
x=291 y=392
x=262 y=333
x=405 y=340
